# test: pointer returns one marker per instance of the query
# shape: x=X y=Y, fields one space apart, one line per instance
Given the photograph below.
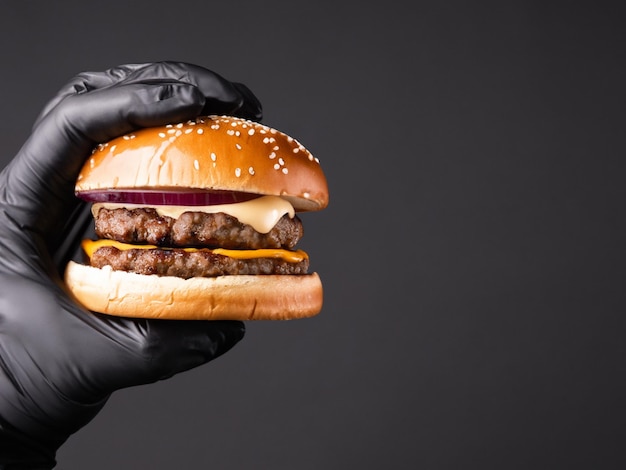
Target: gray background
x=472 y=255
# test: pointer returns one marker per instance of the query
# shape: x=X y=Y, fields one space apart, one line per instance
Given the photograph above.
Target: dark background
x=472 y=255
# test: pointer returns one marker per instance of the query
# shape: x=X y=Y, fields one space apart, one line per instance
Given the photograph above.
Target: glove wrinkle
x=214 y=87
x=82 y=88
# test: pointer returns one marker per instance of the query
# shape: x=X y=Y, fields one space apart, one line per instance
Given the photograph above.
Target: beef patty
x=180 y=263
x=199 y=229
x=192 y=229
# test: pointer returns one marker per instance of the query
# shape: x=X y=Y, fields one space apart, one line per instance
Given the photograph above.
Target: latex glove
x=58 y=362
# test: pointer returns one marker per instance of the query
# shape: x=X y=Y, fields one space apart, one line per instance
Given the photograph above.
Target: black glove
x=58 y=362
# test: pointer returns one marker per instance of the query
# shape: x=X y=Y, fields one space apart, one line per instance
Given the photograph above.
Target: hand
x=58 y=362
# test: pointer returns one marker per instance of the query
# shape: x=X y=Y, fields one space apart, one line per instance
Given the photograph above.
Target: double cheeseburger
x=197 y=220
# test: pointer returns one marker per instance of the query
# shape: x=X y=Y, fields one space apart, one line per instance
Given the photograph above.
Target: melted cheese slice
x=90 y=246
x=262 y=213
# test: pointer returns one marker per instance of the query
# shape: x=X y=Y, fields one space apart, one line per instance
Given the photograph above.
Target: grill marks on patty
x=145 y=225
x=192 y=229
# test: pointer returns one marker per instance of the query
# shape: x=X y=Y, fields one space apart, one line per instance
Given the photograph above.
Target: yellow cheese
x=90 y=246
x=261 y=213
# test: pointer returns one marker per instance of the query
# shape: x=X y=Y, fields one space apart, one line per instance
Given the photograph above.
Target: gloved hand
x=58 y=362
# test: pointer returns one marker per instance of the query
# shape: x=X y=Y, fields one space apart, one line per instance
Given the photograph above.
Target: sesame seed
x=213 y=156
x=113 y=148
x=276 y=147
x=238 y=146
x=179 y=125
x=171 y=131
x=266 y=140
x=272 y=155
x=230 y=132
x=188 y=131
x=296 y=150
x=285 y=171
x=251 y=170
x=276 y=166
x=251 y=132
x=281 y=161
x=162 y=135
x=200 y=130
x=196 y=164
x=168 y=125
x=237 y=172
x=306 y=195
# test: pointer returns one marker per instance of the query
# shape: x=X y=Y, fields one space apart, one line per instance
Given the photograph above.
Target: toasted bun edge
x=244 y=297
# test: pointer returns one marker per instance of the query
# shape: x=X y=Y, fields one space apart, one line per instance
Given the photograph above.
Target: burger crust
x=216 y=152
x=271 y=297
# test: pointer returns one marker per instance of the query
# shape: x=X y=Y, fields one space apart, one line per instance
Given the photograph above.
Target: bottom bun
x=267 y=297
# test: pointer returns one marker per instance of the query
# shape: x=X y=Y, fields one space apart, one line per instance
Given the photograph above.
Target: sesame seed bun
x=213 y=152
x=216 y=154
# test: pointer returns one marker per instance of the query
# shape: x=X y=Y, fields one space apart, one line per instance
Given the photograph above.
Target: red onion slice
x=166 y=198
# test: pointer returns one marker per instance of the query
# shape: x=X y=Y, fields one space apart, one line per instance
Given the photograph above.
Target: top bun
x=209 y=153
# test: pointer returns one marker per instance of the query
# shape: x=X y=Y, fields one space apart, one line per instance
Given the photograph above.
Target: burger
x=198 y=220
